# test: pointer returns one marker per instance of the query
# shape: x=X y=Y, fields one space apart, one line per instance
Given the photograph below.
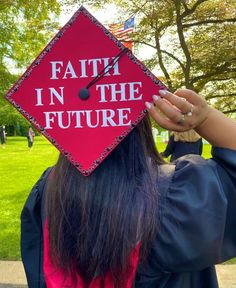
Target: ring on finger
x=190 y=113
x=182 y=119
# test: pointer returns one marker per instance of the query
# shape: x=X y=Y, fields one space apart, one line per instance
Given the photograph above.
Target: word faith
x=83 y=68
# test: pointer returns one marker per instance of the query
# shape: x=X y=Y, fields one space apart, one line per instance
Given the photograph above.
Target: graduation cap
x=84 y=92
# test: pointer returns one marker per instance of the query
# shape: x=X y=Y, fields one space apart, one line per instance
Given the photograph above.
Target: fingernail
x=148 y=105
x=156 y=98
x=163 y=92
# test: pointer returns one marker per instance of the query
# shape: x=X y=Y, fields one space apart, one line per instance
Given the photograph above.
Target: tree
x=25 y=28
x=194 y=43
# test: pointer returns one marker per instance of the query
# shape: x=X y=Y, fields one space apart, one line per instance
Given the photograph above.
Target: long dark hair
x=94 y=222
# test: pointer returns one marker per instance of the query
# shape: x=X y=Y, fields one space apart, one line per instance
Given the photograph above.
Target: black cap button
x=84 y=94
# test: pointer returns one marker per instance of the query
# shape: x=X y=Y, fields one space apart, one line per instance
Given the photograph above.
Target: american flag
x=123 y=32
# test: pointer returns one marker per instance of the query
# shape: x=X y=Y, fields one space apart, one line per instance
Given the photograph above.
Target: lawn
x=19 y=170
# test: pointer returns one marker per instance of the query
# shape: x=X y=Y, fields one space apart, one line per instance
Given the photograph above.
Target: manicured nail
x=156 y=98
x=163 y=92
x=148 y=105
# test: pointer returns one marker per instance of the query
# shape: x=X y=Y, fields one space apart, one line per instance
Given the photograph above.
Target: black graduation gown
x=178 y=149
x=197 y=224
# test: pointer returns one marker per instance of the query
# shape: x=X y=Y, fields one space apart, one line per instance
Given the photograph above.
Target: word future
x=112 y=92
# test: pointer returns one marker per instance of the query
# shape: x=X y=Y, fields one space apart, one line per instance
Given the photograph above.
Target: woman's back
x=183 y=148
x=194 y=229
x=95 y=222
x=183 y=143
x=181 y=214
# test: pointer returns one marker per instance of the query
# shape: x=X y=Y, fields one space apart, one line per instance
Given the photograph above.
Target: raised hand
x=181 y=111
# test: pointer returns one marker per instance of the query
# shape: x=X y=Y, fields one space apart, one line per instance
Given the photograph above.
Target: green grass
x=19 y=170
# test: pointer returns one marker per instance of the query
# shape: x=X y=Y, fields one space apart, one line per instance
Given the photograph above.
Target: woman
x=2 y=136
x=183 y=143
x=30 y=137
x=137 y=222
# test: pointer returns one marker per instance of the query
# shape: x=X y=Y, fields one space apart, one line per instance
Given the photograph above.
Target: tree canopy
x=25 y=28
x=194 y=43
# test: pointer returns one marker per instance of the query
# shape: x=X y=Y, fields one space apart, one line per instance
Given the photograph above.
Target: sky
x=106 y=15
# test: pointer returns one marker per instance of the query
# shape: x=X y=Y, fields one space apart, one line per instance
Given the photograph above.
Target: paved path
x=226 y=276
x=12 y=275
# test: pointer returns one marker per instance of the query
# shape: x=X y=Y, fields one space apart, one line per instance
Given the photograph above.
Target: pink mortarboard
x=84 y=92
